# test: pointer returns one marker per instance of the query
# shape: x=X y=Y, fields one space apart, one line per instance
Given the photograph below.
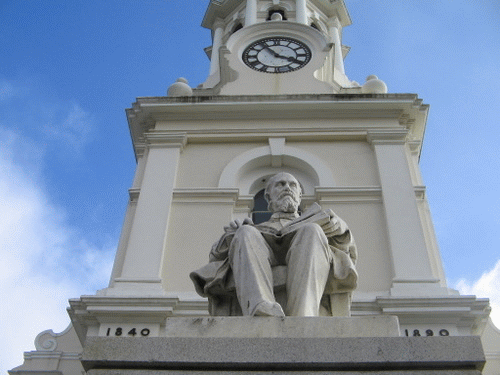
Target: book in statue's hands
x=314 y=214
x=321 y=218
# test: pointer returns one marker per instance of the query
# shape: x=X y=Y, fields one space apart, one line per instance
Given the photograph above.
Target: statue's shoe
x=266 y=308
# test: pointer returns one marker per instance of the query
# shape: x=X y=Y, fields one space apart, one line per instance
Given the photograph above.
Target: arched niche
x=249 y=171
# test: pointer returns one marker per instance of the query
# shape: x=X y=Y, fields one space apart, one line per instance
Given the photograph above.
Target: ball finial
x=374 y=85
x=180 y=88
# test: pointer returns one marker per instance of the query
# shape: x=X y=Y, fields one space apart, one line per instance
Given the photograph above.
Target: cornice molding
x=134 y=194
x=262 y=135
x=368 y=194
x=395 y=106
x=415 y=146
x=140 y=149
x=49 y=356
x=180 y=113
x=387 y=136
x=206 y=195
x=160 y=139
x=420 y=191
x=460 y=311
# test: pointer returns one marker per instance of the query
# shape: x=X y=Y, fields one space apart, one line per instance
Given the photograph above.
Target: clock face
x=277 y=55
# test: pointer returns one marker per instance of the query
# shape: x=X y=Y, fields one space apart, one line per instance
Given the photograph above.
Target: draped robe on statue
x=316 y=266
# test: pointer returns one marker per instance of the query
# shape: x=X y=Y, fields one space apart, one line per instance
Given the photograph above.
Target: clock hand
x=274 y=53
x=288 y=58
x=291 y=59
x=277 y=55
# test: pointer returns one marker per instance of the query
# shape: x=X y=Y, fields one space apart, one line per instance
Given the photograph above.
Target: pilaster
x=142 y=258
x=141 y=152
x=410 y=257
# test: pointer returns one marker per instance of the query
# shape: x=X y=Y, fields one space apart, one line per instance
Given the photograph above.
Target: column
x=144 y=253
x=301 y=11
x=217 y=42
x=411 y=262
x=334 y=31
x=251 y=13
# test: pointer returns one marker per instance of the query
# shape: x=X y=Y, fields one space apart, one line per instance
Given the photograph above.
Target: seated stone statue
x=316 y=247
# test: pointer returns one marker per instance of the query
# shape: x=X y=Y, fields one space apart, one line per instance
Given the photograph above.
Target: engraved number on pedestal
x=428 y=333
x=132 y=332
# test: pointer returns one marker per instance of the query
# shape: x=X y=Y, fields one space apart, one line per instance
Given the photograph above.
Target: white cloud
x=30 y=106
x=7 y=90
x=487 y=286
x=44 y=261
x=12 y=89
x=72 y=127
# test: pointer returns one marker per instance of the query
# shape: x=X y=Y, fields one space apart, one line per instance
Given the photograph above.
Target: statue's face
x=284 y=193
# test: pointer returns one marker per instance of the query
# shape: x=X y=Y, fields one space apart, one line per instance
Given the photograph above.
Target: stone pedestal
x=280 y=346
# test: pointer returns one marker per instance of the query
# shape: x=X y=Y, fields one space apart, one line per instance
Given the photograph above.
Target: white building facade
x=277 y=98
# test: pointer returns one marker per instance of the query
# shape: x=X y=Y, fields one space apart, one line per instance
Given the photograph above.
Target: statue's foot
x=266 y=308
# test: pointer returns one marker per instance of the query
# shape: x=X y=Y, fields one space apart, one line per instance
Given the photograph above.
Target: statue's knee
x=246 y=231
x=312 y=229
x=312 y=233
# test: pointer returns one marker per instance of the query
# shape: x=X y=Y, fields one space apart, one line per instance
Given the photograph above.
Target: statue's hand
x=235 y=224
x=333 y=227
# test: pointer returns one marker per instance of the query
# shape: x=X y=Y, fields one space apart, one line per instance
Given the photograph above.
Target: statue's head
x=283 y=193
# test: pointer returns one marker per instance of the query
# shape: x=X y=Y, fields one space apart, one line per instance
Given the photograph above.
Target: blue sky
x=68 y=69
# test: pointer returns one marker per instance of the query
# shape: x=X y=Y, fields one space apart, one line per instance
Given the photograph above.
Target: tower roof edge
x=221 y=8
x=335 y=8
x=218 y=9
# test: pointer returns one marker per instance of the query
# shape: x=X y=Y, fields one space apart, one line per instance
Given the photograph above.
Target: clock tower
x=296 y=44
x=276 y=99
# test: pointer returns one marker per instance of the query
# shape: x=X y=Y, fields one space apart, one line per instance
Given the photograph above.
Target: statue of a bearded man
x=316 y=247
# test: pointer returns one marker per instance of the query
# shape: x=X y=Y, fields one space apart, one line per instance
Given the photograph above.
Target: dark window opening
x=237 y=27
x=260 y=211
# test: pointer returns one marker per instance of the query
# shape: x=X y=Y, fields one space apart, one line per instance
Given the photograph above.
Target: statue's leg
x=251 y=259
x=308 y=261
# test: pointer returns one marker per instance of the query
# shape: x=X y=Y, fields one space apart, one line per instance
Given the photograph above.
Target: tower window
x=260 y=211
x=239 y=26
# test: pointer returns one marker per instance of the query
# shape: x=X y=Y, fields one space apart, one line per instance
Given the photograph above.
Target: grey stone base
x=277 y=354
x=216 y=372
x=281 y=351
x=29 y=372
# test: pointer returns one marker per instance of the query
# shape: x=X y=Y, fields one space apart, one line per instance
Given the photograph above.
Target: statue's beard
x=286 y=204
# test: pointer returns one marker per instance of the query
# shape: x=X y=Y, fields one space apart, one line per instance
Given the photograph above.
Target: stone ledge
x=289 y=327
x=285 y=354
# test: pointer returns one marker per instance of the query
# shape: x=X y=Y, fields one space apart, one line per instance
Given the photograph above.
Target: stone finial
x=374 y=85
x=276 y=17
x=180 y=88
